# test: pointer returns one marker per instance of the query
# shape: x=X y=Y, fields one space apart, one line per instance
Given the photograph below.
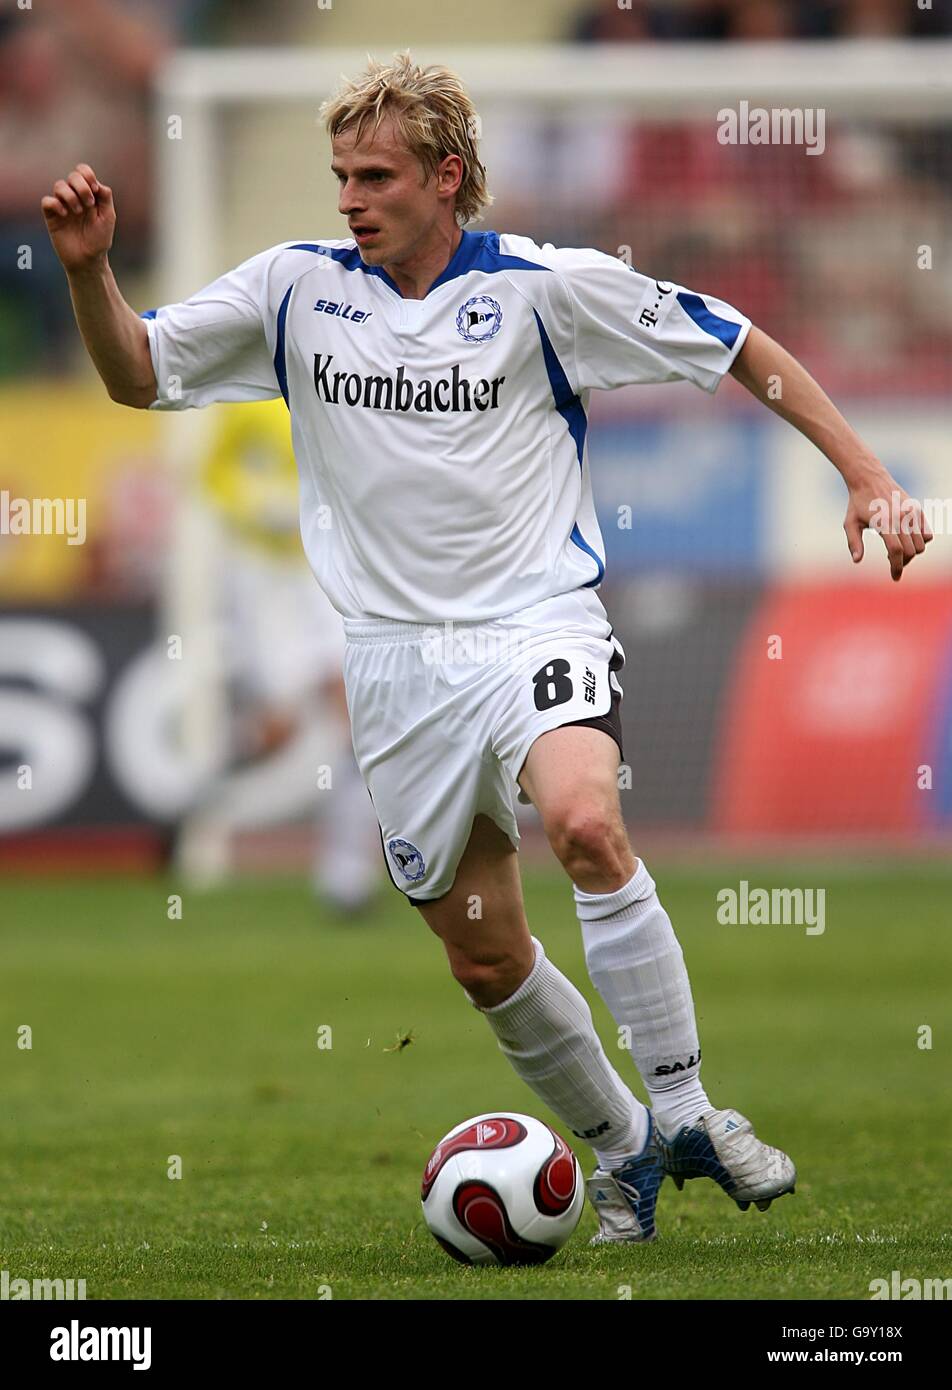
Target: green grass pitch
x=301 y=1164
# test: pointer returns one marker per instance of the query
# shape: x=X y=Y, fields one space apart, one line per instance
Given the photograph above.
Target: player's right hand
x=80 y=219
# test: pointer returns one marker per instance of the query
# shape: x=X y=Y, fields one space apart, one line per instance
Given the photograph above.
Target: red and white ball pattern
x=502 y=1188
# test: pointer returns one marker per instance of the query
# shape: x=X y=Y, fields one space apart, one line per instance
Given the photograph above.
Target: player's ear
x=450 y=173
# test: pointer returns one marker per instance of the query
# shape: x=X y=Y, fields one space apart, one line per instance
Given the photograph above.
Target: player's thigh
x=482 y=919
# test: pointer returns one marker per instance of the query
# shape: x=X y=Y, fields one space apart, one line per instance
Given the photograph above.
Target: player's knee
x=489 y=980
x=588 y=839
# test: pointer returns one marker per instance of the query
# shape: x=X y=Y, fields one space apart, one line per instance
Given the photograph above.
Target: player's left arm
x=761 y=365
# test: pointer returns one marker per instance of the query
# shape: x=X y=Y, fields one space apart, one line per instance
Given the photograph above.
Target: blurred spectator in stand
x=760 y=20
x=774 y=236
x=874 y=19
x=606 y=22
x=75 y=83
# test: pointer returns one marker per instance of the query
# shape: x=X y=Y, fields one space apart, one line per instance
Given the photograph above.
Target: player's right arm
x=81 y=221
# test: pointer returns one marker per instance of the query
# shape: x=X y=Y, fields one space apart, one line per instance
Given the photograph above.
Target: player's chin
x=372 y=252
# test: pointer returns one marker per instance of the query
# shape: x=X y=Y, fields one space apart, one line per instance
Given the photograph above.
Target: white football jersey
x=441 y=443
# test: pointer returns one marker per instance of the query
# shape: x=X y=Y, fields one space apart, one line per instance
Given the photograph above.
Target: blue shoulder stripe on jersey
x=694 y=306
x=480 y=251
x=570 y=408
x=280 y=364
x=349 y=257
x=149 y=314
x=476 y=251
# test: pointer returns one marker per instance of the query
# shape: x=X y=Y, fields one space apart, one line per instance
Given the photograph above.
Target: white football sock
x=637 y=965
x=546 y=1031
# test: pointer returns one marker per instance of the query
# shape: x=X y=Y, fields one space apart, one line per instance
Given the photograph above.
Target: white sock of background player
x=546 y=1031
x=637 y=965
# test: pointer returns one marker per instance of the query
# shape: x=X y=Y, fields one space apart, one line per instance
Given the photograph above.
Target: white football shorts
x=443 y=717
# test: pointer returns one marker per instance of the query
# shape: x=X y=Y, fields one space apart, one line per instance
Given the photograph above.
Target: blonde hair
x=432 y=111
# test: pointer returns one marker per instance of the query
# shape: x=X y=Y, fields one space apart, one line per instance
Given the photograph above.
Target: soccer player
x=437 y=380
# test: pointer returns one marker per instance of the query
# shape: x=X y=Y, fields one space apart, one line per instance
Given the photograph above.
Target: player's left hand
x=878 y=503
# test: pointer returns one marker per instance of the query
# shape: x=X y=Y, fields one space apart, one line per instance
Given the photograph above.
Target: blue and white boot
x=625 y=1197
x=722 y=1145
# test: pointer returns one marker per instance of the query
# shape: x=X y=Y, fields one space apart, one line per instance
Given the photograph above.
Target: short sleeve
x=214 y=346
x=630 y=329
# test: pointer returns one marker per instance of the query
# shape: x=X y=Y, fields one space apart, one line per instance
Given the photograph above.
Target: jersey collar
x=471 y=250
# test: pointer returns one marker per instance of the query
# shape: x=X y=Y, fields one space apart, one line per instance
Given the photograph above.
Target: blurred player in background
x=283 y=647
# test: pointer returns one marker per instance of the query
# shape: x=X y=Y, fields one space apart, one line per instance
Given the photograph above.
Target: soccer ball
x=502 y=1189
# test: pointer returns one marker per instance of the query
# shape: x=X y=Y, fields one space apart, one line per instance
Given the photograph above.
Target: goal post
x=230 y=123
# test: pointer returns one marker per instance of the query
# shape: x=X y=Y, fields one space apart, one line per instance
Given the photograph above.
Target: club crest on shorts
x=407 y=858
x=478 y=319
